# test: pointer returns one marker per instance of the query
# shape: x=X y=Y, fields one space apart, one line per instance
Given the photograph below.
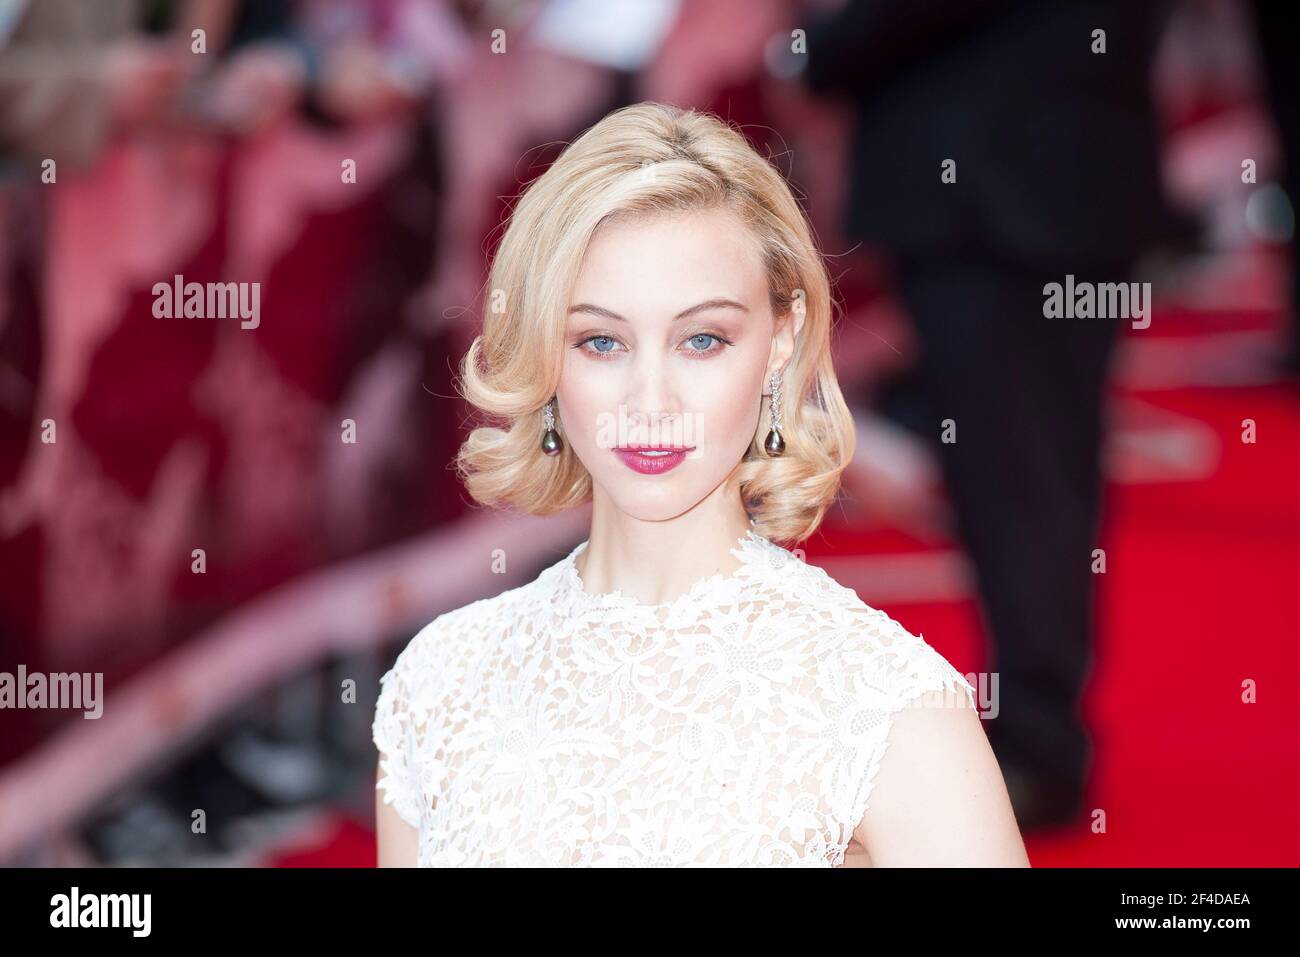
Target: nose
x=652 y=398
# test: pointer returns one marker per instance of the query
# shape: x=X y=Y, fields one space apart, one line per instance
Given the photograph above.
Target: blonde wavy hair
x=639 y=160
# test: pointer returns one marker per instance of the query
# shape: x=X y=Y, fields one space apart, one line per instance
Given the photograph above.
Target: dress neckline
x=751 y=548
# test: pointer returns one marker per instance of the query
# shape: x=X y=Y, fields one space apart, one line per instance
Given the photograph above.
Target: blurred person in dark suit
x=1054 y=170
x=1273 y=22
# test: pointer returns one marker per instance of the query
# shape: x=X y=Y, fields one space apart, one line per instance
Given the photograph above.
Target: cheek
x=730 y=418
x=727 y=405
x=587 y=397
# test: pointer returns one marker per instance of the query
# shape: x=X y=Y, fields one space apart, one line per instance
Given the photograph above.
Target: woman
x=679 y=689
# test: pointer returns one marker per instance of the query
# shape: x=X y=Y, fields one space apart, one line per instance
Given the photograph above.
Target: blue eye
x=703 y=338
x=599 y=339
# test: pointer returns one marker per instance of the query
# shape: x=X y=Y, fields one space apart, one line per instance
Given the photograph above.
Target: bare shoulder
x=939 y=797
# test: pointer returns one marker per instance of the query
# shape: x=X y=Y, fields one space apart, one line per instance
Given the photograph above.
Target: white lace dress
x=741 y=724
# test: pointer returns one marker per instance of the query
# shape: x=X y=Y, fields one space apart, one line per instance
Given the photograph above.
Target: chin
x=656 y=507
x=654 y=498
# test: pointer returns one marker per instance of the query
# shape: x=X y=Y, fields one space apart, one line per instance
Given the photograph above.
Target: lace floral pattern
x=741 y=724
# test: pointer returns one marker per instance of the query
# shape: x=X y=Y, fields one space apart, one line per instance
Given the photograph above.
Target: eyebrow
x=716 y=303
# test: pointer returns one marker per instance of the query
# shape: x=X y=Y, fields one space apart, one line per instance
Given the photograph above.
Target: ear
x=787 y=329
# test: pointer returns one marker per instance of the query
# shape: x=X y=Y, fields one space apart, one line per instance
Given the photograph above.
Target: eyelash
x=703 y=353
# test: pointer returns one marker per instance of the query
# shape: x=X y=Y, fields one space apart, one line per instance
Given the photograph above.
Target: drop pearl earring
x=551 y=441
x=775 y=444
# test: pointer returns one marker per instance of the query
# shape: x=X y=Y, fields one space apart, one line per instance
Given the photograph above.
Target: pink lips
x=636 y=459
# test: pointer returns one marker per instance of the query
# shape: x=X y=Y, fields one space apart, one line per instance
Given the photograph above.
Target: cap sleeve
x=887 y=669
x=394 y=734
x=918 y=669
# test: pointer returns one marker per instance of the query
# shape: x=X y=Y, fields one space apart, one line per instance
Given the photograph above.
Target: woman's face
x=669 y=341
